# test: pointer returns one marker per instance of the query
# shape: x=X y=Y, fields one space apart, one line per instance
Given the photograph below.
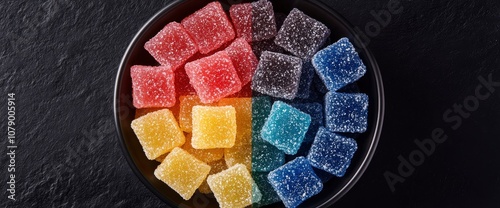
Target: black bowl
x=333 y=190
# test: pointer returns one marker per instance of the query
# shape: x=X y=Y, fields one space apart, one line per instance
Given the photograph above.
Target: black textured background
x=60 y=57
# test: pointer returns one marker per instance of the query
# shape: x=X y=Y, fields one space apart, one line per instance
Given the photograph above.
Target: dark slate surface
x=60 y=58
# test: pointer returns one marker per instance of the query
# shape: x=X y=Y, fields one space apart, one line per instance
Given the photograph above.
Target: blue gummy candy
x=295 y=182
x=269 y=196
x=266 y=157
x=286 y=127
x=331 y=152
x=315 y=110
x=338 y=64
x=346 y=112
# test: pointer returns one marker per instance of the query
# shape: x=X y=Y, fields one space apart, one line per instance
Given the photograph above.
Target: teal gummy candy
x=286 y=127
x=346 y=112
x=338 y=64
x=295 y=182
x=266 y=157
x=269 y=195
x=261 y=108
x=315 y=110
x=332 y=152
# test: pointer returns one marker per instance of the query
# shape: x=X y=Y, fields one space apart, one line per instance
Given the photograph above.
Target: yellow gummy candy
x=216 y=167
x=213 y=127
x=243 y=107
x=205 y=155
x=239 y=155
x=185 y=110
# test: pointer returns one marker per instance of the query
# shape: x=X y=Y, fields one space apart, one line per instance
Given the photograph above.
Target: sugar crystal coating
x=301 y=35
x=158 y=133
x=182 y=85
x=239 y=155
x=205 y=155
x=241 y=15
x=152 y=86
x=244 y=60
x=266 y=157
x=209 y=27
x=261 y=108
x=234 y=187
x=306 y=79
x=213 y=127
x=315 y=110
x=243 y=107
x=185 y=111
x=215 y=167
x=269 y=195
x=295 y=182
x=263 y=21
x=338 y=64
x=171 y=46
x=286 y=127
x=213 y=77
x=277 y=75
x=332 y=152
x=346 y=112
x=182 y=172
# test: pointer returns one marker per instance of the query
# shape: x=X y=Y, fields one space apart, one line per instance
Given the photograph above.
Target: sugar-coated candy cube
x=205 y=155
x=306 y=79
x=239 y=155
x=209 y=27
x=295 y=182
x=158 y=133
x=277 y=75
x=286 y=127
x=346 y=112
x=263 y=21
x=259 y=47
x=182 y=172
x=338 y=64
x=241 y=15
x=269 y=195
x=234 y=187
x=213 y=127
x=332 y=152
x=244 y=60
x=266 y=157
x=243 y=107
x=185 y=110
x=261 y=108
x=301 y=35
x=171 y=46
x=213 y=77
x=152 y=86
x=216 y=167
x=315 y=110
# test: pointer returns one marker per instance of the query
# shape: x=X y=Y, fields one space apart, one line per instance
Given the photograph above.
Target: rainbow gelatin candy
x=152 y=86
x=243 y=107
x=213 y=127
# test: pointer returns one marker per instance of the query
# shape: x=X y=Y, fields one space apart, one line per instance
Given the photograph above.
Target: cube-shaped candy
x=295 y=182
x=213 y=127
x=244 y=60
x=234 y=187
x=158 y=133
x=346 y=112
x=172 y=46
x=213 y=77
x=266 y=157
x=152 y=86
x=315 y=110
x=254 y=21
x=205 y=155
x=269 y=195
x=277 y=75
x=261 y=108
x=332 y=152
x=306 y=79
x=338 y=64
x=286 y=127
x=182 y=172
x=243 y=107
x=259 y=47
x=182 y=85
x=185 y=110
x=209 y=27
x=301 y=35
x=239 y=155
x=216 y=167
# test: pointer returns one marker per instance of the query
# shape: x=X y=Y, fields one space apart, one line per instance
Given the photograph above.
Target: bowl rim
x=380 y=101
